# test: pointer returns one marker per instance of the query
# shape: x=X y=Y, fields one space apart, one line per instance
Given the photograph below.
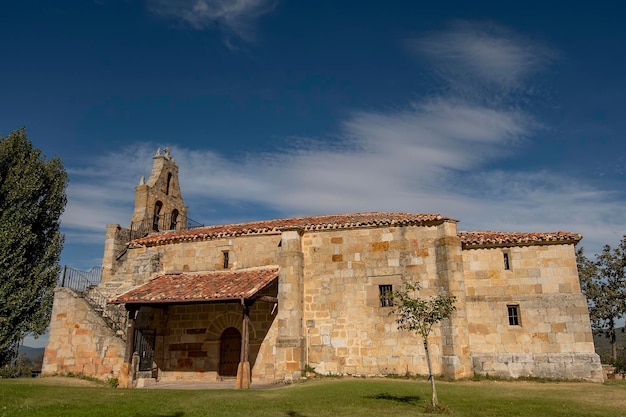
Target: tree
x=32 y=198
x=419 y=315
x=603 y=282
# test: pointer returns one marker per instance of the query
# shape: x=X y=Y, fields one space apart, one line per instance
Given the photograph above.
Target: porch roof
x=200 y=287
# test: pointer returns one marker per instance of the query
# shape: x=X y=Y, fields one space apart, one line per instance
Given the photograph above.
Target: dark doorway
x=230 y=350
x=144 y=346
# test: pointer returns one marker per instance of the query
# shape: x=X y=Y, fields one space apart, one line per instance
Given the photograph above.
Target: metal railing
x=84 y=284
x=161 y=223
x=80 y=281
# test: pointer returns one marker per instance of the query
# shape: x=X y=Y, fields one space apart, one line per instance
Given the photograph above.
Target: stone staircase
x=85 y=285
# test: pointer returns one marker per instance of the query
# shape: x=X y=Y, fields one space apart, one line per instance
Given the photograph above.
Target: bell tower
x=159 y=204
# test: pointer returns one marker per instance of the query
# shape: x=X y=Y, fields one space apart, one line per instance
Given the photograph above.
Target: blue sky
x=504 y=115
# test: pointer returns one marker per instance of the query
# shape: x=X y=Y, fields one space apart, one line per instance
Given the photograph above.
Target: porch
x=203 y=328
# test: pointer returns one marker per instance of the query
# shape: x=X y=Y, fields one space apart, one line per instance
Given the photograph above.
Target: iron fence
x=80 y=281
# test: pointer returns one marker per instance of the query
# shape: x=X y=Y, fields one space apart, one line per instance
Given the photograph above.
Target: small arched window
x=158 y=206
x=167 y=185
x=174 y=220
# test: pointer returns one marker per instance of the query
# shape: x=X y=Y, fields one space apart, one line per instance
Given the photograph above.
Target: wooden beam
x=268 y=299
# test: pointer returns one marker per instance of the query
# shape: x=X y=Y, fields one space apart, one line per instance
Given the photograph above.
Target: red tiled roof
x=207 y=286
x=487 y=238
x=340 y=221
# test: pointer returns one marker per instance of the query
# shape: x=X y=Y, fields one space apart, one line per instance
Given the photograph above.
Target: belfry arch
x=159 y=204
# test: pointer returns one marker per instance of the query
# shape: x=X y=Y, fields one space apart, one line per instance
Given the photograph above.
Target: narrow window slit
x=507 y=263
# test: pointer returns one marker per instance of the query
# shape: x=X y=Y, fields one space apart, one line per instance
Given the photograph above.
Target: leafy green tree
x=603 y=282
x=32 y=198
x=419 y=315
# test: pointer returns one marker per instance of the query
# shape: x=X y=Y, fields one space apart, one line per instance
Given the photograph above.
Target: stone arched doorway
x=230 y=351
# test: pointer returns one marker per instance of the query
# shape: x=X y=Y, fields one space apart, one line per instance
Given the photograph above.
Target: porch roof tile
x=200 y=287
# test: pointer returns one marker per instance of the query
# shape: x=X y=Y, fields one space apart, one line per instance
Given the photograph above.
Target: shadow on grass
x=176 y=414
x=406 y=399
x=294 y=414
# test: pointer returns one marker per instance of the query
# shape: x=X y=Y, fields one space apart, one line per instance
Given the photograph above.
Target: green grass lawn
x=325 y=397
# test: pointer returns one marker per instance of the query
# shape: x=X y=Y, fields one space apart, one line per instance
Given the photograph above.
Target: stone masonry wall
x=288 y=355
x=348 y=331
x=80 y=341
x=141 y=264
x=553 y=338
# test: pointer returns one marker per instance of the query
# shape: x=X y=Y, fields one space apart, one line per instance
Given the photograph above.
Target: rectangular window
x=225 y=259
x=507 y=263
x=514 y=316
x=385 y=295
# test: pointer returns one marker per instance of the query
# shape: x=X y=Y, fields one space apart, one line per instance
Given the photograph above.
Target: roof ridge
x=485 y=238
x=219 y=272
x=320 y=222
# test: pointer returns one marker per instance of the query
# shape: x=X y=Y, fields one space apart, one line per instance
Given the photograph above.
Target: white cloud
x=390 y=162
x=473 y=56
x=393 y=168
x=431 y=155
x=543 y=201
x=103 y=192
x=236 y=17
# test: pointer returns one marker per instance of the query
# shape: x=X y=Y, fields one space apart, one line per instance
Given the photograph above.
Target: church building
x=263 y=301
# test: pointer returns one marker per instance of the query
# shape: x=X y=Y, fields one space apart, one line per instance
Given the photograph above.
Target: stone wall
x=288 y=355
x=115 y=242
x=573 y=366
x=80 y=341
x=553 y=337
x=348 y=331
x=140 y=264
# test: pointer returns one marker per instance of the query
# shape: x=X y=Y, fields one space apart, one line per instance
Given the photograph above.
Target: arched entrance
x=230 y=351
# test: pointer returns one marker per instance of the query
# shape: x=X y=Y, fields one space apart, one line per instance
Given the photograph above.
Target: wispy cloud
x=233 y=17
x=482 y=57
x=433 y=154
x=103 y=192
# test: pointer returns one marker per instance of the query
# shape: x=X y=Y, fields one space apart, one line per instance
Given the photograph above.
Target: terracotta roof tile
x=487 y=238
x=202 y=287
x=340 y=221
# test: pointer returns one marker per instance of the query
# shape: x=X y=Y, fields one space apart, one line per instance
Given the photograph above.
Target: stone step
x=145 y=382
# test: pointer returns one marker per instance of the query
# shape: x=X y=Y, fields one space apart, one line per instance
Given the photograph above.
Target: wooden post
x=126 y=377
x=246 y=334
x=243 y=369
